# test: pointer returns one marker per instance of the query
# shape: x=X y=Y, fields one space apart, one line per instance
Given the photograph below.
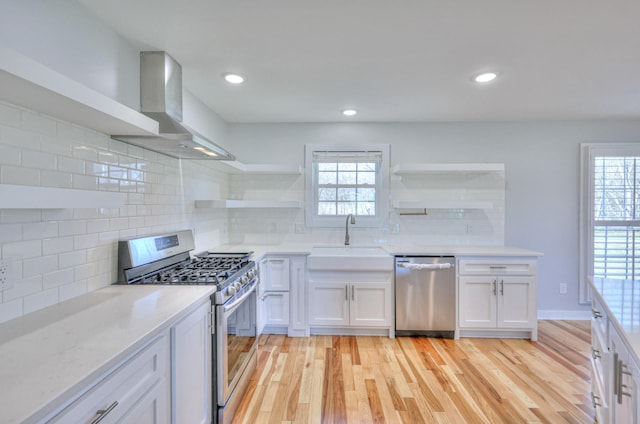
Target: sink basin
x=349 y=258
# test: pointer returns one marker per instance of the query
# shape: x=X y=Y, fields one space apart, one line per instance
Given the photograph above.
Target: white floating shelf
x=266 y=168
x=431 y=168
x=32 y=197
x=238 y=204
x=441 y=204
x=30 y=84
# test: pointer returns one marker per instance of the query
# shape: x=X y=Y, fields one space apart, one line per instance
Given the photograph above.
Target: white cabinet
x=282 y=295
x=136 y=391
x=497 y=297
x=191 y=364
x=600 y=363
x=350 y=302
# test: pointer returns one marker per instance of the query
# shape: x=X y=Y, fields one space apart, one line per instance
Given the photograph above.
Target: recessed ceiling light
x=485 y=77
x=234 y=78
x=349 y=112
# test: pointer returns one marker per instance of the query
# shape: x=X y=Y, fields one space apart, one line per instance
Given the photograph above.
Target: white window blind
x=610 y=212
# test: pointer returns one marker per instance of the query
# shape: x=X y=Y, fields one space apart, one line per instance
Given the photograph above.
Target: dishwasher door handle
x=428 y=267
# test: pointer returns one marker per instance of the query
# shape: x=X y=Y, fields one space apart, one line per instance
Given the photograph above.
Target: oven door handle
x=236 y=303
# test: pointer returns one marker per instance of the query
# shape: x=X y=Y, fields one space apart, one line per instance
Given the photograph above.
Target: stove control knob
x=250 y=275
x=231 y=290
x=237 y=285
x=244 y=280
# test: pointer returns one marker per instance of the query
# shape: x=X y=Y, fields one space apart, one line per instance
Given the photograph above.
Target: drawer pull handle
x=595 y=353
x=497 y=267
x=101 y=413
x=596 y=314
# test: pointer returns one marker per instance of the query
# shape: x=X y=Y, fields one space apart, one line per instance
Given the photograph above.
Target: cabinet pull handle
x=353 y=292
x=595 y=353
x=595 y=400
x=497 y=267
x=495 y=284
x=502 y=287
x=596 y=314
x=617 y=379
x=101 y=413
x=346 y=292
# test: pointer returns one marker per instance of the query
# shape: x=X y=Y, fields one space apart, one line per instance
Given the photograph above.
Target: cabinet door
x=477 y=306
x=516 y=302
x=370 y=304
x=191 y=368
x=328 y=304
x=276 y=308
x=624 y=383
x=275 y=274
x=298 y=313
x=151 y=409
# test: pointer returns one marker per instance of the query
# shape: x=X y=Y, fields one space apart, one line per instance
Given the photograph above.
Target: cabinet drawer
x=121 y=390
x=497 y=266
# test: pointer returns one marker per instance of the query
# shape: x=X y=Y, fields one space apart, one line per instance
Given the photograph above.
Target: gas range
x=165 y=259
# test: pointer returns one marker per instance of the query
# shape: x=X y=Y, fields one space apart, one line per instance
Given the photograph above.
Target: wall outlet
x=563 y=288
x=6 y=275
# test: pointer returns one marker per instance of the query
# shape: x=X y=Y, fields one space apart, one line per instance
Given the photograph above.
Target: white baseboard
x=568 y=315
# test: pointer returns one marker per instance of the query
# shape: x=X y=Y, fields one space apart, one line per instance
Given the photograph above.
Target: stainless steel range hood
x=161 y=99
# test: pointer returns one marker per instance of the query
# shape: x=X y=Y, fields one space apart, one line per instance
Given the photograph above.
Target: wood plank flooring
x=347 y=379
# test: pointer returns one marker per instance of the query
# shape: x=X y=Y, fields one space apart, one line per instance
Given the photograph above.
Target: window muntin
x=346 y=188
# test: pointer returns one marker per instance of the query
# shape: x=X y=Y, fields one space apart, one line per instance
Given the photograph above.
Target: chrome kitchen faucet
x=346 y=228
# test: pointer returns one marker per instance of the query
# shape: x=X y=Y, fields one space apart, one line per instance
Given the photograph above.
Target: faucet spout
x=351 y=218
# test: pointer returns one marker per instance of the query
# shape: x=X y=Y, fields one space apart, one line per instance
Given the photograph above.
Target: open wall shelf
x=434 y=168
x=32 y=197
x=239 y=204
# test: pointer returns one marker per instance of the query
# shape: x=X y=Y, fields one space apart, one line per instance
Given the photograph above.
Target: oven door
x=236 y=341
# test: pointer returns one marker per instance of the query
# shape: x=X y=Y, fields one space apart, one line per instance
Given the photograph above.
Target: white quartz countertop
x=50 y=354
x=622 y=299
x=392 y=249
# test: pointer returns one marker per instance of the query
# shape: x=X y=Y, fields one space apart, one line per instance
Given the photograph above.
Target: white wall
x=542 y=175
x=57 y=254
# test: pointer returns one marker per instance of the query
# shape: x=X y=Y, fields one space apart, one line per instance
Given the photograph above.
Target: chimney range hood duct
x=161 y=99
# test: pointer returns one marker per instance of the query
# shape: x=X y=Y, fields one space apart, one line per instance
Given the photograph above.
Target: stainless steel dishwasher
x=425 y=295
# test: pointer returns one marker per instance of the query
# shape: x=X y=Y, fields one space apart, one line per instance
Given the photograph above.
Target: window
x=343 y=181
x=610 y=212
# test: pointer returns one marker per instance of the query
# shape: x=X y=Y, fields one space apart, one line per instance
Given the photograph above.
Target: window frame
x=588 y=153
x=380 y=219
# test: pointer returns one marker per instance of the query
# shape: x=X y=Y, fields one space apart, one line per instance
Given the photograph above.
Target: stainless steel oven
x=235 y=348
x=166 y=259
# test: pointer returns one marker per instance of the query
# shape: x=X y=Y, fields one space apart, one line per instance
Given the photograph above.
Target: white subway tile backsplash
x=40 y=300
x=9 y=155
x=40 y=265
x=85 y=182
x=23 y=287
x=71 y=165
x=20 y=138
x=9 y=115
x=38 y=123
x=57 y=278
x=69 y=133
x=69 y=291
x=72 y=259
x=72 y=228
x=32 y=159
x=19 y=175
x=10 y=310
x=55 y=179
x=85 y=241
x=57 y=245
x=97 y=225
x=10 y=232
x=39 y=230
x=63 y=253
x=22 y=249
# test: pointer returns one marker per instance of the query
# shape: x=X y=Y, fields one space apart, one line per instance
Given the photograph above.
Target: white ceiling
x=396 y=60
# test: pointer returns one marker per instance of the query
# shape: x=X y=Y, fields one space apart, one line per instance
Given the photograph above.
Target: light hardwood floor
x=346 y=379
